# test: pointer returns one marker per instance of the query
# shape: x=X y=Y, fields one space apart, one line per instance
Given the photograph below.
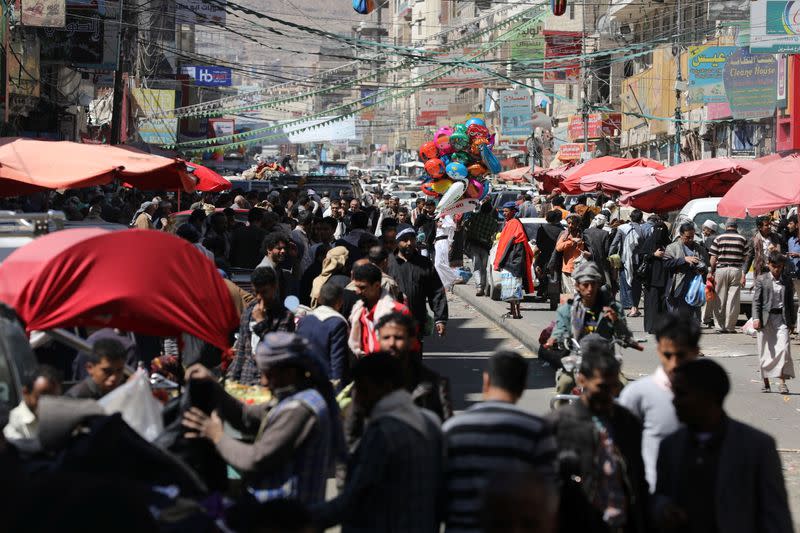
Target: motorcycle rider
x=593 y=310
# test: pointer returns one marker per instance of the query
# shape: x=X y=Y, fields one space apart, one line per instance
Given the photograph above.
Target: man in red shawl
x=513 y=260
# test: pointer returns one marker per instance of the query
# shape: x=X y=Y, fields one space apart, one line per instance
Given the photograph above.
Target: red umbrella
x=551 y=177
x=516 y=174
x=145 y=281
x=572 y=178
x=208 y=180
x=32 y=165
x=619 y=181
x=719 y=167
x=771 y=186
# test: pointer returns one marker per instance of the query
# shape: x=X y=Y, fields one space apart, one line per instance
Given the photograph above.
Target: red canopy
x=619 y=181
x=208 y=180
x=572 y=178
x=145 y=281
x=551 y=177
x=516 y=174
x=719 y=167
x=773 y=185
x=32 y=165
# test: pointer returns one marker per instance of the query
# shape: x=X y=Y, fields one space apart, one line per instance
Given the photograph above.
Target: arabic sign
x=751 y=84
x=562 y=44
x=706 y=68
x=774 y=26
x=462 y=77
x=527 y=49
x=149 y=102
x=432 y=105
x=600 y=125
x=88 y=39
x=49 y=13
x=573 y=151
x=209 y=76
x=200 y=12
x=515 y=113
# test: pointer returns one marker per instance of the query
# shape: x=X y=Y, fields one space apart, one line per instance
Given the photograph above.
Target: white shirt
x=22 y=429
x=777 y=290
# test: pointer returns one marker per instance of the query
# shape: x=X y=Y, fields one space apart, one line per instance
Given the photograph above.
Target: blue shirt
x=794 y=246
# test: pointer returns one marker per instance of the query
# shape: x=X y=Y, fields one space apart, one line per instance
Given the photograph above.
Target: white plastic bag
x=748 y=328
x=135 y=402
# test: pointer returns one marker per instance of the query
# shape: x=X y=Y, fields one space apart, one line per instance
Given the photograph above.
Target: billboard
x=200 y=12
x=527 y=49
x=209 y=76
x=751 y=85
x=432 y=105
x=706 y=68
x=44 y=13
x=462 y=77
x=149 y=102
x=515 y=113
x=774 y=26
x=599 y=125
x=320 y=130
x=562 y=44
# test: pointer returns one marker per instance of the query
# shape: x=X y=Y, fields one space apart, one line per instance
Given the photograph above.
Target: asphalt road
x=476 y=330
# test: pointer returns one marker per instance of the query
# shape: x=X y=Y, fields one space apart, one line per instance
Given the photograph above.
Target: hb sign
x=209 y=76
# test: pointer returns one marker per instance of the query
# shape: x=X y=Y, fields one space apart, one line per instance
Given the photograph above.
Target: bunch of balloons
x=458 y=161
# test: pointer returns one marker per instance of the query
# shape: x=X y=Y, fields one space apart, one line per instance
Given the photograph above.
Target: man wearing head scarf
x=598 y=244
x=514 y=259
x=143 y=218
x=298 y=434
x=334 y=264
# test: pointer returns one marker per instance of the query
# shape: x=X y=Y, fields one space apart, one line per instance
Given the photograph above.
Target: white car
x=407 y=198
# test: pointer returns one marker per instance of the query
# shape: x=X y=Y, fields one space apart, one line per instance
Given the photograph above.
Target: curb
x=466 y=293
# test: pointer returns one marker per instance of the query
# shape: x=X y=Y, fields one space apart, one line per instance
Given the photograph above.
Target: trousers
x=480 y=259
x=728 y=282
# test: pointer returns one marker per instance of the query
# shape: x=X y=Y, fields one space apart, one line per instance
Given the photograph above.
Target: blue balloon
x=490 y=160
x=457 y=171
x=445 y=159
x=472 y=121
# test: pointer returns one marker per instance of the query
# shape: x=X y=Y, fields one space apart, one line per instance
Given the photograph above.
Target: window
x=570 y=92
x=572 y=12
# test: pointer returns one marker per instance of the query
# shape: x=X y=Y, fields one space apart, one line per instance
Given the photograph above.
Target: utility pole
x=676 y=152
x=584 y=86
x=116 y=110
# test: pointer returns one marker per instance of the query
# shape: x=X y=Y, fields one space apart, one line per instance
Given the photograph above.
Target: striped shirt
x=487 y=438
x=729 y=247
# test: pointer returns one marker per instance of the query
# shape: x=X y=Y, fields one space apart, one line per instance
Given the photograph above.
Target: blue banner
x=209 y=76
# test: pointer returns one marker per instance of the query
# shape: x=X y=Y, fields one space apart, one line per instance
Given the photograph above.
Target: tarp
x=720 y=167
x=572 y=178
x=619 y=181
x=551 y=178
x=145 y=281
x=208 y=180
x=773 y=185
x=31 y=165
x=517 y=174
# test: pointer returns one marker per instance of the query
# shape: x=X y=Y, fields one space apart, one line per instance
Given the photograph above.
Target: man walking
x=374 y=303
x=394 y=476
x=710 y=232
x=604 y=441
x=481 y=228
x=759 y=247
x=727 y=255
x=491 y=436
x=650 y=398
x=624 y=244
x=717 y=474
x=419 y=281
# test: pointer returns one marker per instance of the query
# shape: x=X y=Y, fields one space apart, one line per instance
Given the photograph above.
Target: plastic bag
x=748 y=328
x=135 y=402
x=696 y=295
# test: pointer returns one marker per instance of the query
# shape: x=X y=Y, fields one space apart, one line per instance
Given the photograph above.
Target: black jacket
x=246 y=246
x=420 y=282
x=546 y=238
x=576 y=434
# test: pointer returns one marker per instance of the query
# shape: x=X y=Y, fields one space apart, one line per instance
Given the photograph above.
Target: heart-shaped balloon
x=477 y=170
x=427 y=189
x=490 y=160
x=429 y=150
x=476 y=131
x=435 y=168
x=457 y=171
x=476 y=120
x=459 y=140
x=474 y=189
x=441 y=186
x=461 y=157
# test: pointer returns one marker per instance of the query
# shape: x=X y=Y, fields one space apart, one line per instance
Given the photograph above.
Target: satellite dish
x=291 y=303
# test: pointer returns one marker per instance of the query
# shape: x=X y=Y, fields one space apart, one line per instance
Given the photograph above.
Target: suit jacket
x=754 y=255
x=764 y=298
x=750 y=492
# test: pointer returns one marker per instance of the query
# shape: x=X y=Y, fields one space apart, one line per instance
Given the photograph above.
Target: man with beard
x=419 y=281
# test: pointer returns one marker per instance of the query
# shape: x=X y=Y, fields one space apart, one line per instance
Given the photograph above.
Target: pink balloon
x=444 y=130
x=474 y=189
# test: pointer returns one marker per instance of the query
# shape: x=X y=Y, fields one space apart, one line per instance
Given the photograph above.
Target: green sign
x=527 y=48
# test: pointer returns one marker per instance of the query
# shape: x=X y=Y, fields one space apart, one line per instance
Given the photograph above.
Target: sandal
x=783 y=389
x=635 y=315
x=766 y=388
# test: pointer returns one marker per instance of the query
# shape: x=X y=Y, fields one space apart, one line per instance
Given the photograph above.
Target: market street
x=462 y=356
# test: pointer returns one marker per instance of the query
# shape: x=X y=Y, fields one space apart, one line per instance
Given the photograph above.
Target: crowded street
x=399 y=266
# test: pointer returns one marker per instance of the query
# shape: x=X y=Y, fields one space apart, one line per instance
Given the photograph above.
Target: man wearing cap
x=727 y=256
x=419 y=281
x=710 y=232
x=510 y=211
x=298 y=434
x=592 y=310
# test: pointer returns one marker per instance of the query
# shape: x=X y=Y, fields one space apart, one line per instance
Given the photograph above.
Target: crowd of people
x=340 y=295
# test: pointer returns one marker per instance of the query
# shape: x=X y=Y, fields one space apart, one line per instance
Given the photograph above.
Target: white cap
x=710 y=224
